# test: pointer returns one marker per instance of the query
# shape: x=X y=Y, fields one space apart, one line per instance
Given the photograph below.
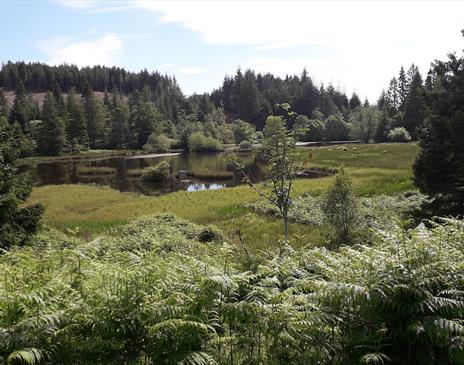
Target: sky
x=353 y=45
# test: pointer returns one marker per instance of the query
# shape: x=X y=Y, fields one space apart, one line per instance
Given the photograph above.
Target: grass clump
x=159 y=172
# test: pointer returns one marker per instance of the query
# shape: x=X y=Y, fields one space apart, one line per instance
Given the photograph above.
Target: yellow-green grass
x=84 y=155
x=95 y=209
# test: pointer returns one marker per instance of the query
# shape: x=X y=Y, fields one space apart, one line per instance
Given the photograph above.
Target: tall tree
x=414 y=109
x=21 y=111
x=51 y=136
x=17 y=222
x=3 y=105
x=119 y=127
x=355 y=102
x=94 y=114
x=439 y=167
x=76 y=127
x=403 y=87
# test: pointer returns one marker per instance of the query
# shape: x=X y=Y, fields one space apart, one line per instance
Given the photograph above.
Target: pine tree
x=94 y=115
x=355 y=102
x=119 y=127
x=17 y=224
x=403 y=87
x=21 y=110
x=51 y=137
x=414 y=109
x=3 y=105
x=76 y=128
x=439 y=168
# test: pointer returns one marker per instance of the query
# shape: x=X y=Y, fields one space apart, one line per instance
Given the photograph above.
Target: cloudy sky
x=355 y=45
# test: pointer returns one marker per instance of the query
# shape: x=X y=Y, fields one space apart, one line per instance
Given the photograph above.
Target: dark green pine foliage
x=51 y=138
x=3 y=105
x=355 y=102
x=95 y=116
x=60 y=103
x=17 y=222
x=76 y=127
x=414 y=108
x=118 y=134
x=403 y=88
x=205 y=106
x=23 y=109
x=439 y=168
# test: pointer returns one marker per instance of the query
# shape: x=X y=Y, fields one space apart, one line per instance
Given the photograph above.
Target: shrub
x=244 y=146
x=160 y=172
x=340 y=206
x=157 y=144
x=198 y=142
x=399 y=134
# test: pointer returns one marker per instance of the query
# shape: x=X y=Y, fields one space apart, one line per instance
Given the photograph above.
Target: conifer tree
x=76 y=128
x=414 y=109
x=51 y=137
x=3 y=105
x=119 y=128
x=21 y=110
x=17 y=223
x=94 y=114
x=439 y=168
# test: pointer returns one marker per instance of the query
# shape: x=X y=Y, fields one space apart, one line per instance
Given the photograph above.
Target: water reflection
x=122 y=177
x=199 y=187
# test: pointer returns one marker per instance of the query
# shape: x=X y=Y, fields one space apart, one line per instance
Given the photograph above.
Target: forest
x=363 y=264
x=100 y=107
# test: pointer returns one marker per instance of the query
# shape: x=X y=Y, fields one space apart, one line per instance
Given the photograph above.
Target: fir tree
x=439 y=168
x=76 y=128
x=51 y=137
x=3 y=105
x=17 y=223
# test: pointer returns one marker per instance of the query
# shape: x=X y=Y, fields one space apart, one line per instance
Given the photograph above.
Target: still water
x=68 y=172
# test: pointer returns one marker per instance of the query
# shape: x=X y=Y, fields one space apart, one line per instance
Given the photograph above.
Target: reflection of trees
x=52 y=173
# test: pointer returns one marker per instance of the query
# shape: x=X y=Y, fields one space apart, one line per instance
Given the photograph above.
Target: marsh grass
x=96 y=209
x=85 y=155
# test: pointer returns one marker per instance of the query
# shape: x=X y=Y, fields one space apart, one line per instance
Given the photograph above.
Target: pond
x=205 y=171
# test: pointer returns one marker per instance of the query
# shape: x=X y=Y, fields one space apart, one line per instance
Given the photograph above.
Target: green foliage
x=243 y=131
x=245 y=146
x=336 y=129
x=51 y=134
x=399 y=134
x=159 y=172
x=17 y=223
x=151 y=292
x=439 y=168
x=364 y=123
x=340 y=206
x=157 y=144
x=198 y=142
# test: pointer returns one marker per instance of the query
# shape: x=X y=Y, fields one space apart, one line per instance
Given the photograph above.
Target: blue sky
x=355 y=45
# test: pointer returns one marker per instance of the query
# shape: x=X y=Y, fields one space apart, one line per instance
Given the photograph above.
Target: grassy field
x=376 y=169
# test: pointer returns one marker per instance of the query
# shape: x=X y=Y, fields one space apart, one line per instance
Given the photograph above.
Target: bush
x=160 y=172
x=340 y=206
x=399 y=134
x=244 y=146
x=209 y=234
x=198 y=142
x=157 y=144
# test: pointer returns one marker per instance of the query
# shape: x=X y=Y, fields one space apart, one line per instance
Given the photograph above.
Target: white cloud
x=367 y=41
x=103 y=51
x=78 y=4
x=191 y=70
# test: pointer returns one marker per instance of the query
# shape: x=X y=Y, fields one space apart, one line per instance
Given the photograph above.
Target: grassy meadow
x=90 y=210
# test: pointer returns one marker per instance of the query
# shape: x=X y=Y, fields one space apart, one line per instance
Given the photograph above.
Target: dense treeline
x=40 y=77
